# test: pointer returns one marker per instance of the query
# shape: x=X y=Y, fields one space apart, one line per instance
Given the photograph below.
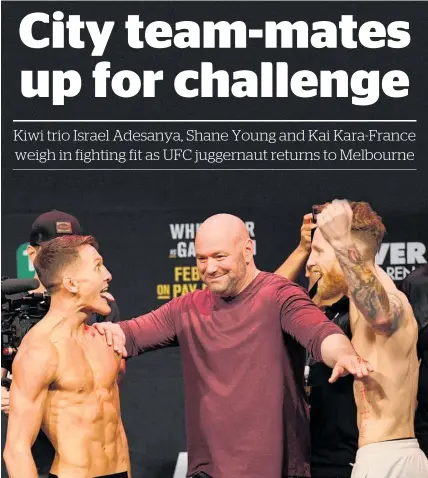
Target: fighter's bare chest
x=86 y=366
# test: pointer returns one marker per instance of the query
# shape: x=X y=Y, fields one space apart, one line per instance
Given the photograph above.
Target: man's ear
x=32 y=252
x=248 y=250
x=70 y=284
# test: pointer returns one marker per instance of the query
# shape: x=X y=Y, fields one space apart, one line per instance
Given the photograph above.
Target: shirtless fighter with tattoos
x=384 y=332
x=65 y=375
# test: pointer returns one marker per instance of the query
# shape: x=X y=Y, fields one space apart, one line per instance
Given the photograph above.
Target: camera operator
x=46 y=227
x=333 y=413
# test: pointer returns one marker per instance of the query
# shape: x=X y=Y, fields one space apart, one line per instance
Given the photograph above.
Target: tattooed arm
x=383 y=310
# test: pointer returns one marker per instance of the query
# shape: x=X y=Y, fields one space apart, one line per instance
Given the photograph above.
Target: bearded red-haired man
x=384 y=331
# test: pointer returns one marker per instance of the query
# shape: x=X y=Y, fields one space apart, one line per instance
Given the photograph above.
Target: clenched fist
x=335 y=222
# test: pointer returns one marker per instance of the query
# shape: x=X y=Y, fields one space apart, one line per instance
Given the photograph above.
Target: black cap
x=53 y=224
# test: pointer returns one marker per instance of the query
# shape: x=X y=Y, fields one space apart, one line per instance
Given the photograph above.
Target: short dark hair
x=57 y=253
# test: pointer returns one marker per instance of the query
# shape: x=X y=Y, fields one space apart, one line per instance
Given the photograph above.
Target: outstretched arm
x=147 y=332
x=33 y=371
x=323 y=339
x=383 y=310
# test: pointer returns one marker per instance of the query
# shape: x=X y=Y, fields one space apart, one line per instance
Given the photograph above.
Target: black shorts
x=122 y=474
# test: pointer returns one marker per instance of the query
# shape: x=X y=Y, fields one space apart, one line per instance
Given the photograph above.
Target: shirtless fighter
x=384 y=331
x=64 y=374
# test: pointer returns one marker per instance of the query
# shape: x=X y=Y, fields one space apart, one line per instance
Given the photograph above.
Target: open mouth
x=106 y=295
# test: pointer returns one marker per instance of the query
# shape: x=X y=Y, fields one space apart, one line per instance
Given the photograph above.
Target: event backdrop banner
x=142 y=119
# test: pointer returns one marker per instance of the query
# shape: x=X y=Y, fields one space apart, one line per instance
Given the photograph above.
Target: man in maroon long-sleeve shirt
x=242 y=344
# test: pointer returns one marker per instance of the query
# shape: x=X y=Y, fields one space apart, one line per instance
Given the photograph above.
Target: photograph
x=214 y=239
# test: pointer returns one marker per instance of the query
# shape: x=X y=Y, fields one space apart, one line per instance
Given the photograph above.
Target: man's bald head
x=223 y=225
x=224 y=253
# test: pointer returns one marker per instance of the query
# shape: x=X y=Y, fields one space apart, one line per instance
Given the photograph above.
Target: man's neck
x=41 y=289
x=252 y=273
x=68 y=314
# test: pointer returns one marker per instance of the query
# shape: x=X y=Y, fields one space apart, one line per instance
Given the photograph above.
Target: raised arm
x=295 y=262
x=33 y=371
x=383 y=310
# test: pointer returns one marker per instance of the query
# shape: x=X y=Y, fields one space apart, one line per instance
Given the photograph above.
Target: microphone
x=16 y=286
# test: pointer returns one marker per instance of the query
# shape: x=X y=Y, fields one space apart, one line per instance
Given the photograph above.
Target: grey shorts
x=391 y=459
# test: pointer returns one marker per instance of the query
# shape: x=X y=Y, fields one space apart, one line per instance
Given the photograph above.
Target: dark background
x=130 y=212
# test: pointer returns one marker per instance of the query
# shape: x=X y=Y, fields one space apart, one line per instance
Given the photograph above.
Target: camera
x=20 y=310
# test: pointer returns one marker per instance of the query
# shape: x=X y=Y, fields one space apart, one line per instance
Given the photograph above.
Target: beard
x=331 y=284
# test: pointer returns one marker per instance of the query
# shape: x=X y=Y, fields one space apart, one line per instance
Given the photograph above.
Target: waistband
x=389 y=446
x=122 y=474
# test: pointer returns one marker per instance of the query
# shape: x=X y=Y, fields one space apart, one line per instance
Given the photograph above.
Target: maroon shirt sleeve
x=302 y=319
x=153 y=330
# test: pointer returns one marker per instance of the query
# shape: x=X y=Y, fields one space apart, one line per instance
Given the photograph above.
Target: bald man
x=242 y=345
